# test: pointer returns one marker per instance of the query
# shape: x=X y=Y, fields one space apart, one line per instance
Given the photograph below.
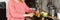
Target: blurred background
x=44 y=9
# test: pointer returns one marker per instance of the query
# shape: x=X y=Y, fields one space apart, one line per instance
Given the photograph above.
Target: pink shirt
x=17 y=9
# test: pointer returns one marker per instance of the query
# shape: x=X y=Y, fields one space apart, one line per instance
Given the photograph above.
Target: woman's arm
x=28 y=10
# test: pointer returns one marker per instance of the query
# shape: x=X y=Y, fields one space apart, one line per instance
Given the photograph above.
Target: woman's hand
x=18 y=1
x=30 y=15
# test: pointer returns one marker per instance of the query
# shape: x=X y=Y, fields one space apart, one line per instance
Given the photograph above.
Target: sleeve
x=11 y=11
x=27 y=9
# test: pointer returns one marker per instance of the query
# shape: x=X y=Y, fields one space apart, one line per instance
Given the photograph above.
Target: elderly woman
x=17 y=9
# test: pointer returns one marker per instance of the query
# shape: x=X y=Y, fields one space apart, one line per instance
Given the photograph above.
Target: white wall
x=2 y=0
